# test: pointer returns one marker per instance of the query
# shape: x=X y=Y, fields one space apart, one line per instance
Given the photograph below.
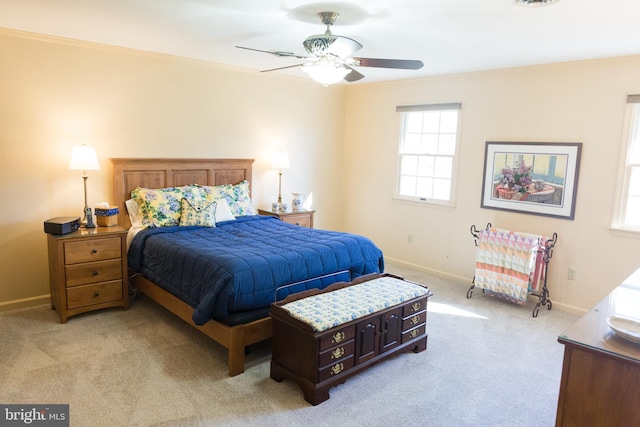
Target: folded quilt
x=506 y=263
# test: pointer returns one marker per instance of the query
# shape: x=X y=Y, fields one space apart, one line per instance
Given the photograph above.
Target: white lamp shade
x=326 y=73
x=84 y=158
x=280 y=160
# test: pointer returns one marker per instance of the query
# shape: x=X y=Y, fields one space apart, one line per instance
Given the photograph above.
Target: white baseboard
x=562 y=307
x=25 y=302
x=429 y=270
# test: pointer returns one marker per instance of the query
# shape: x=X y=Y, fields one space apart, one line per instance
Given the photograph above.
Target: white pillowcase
x=135 y=213
x=223 y=211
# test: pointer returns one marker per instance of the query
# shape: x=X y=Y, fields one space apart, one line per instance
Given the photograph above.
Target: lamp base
x=88 y=219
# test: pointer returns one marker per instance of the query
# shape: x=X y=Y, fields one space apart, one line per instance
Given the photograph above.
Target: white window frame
x=630 y=141
x=403 y=110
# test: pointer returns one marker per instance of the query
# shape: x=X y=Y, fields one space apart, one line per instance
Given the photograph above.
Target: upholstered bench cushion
x=331 y=309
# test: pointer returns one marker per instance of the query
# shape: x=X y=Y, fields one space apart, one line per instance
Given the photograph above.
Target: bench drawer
x=414 y=333
x=335 y=369
x=336 y=337
x=336 y=354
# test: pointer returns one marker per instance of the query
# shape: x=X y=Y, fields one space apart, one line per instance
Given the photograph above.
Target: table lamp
x=84 y=158
x=280 y=161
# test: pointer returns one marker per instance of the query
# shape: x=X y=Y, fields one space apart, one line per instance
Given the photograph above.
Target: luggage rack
x=546 y=250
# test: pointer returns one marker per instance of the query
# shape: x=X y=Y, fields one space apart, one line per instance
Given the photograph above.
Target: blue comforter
x=239 y=265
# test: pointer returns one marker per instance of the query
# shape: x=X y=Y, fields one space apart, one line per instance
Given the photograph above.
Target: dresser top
x=86 y=232
x=593 y=330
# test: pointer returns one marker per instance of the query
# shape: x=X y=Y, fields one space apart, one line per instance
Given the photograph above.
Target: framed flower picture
x=539 y=178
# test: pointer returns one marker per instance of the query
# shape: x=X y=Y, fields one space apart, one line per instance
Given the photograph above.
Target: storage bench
x=321 y=338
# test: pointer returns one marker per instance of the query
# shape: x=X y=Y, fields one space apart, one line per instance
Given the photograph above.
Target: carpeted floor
x=488 y=363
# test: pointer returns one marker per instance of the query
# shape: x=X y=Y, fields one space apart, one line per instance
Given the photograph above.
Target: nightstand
x=303 y=218
x=88 y=270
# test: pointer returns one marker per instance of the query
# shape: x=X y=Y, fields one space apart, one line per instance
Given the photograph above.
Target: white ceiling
x=449 y=36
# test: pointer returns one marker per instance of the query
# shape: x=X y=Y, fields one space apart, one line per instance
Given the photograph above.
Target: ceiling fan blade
x=343 y=47
x=281 y=68
x=353 y=76
x=403 y=64
x=274 y=52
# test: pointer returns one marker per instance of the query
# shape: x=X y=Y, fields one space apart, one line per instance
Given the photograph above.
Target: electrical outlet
x=572 y=274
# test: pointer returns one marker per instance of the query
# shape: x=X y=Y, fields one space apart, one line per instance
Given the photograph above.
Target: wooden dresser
x=600 y=383
x=303 y=218
x=317 y=361
x=88 y=270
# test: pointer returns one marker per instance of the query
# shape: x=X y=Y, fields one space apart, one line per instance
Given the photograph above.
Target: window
x=427 y=154
x=627 y=212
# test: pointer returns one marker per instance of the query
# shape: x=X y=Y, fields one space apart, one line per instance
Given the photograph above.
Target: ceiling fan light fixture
x=533 y=3
x=326 y=73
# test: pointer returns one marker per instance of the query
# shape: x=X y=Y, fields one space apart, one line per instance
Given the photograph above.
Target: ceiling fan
x=329 y=57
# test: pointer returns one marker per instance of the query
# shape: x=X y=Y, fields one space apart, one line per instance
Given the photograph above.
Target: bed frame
x=159 y=173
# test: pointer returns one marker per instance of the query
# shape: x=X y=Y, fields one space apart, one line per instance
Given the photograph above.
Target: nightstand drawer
x=93 y=272
x=91 y=250
x=81 y=296
x=303 y=217
x=301 y=220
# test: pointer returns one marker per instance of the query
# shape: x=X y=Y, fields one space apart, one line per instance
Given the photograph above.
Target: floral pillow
x=161 y=207
x=198 y=212
x=237 y=196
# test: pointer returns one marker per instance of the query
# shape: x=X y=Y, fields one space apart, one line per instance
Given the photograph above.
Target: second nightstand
x=303 y=218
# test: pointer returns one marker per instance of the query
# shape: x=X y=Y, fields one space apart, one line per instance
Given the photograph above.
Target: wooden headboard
x=160 y=173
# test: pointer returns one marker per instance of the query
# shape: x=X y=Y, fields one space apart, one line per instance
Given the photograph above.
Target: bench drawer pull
x=337 y=353
x=337 y=368
x=338 y=337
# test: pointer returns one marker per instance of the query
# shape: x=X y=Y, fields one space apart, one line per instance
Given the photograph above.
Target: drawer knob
x=95 y=273
x=337 y=353
x=96 y=294
x=94 y=251
x=416 y=306
x=337 y=368
x=414 y=333
x=338 y=337
x=415 y=320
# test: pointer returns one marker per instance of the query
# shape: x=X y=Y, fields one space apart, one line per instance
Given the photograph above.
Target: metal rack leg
x=543 y=298
x=473 y=285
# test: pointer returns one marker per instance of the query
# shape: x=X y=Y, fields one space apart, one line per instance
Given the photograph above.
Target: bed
x=235 y=269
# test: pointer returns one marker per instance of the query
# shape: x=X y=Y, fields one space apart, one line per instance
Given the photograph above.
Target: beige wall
x=56 y=94
x=573 y=102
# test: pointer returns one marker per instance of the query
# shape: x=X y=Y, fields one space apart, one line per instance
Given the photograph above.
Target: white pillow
x=223 y=211
x=135 y=213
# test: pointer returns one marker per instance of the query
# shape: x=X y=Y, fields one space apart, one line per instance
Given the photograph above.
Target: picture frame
x=537 y=178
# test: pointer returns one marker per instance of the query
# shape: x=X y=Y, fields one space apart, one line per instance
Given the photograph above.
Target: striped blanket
x=509 y=264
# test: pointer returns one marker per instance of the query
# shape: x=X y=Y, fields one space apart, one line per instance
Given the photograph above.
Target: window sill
x=624 y=232
x=425 y=203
